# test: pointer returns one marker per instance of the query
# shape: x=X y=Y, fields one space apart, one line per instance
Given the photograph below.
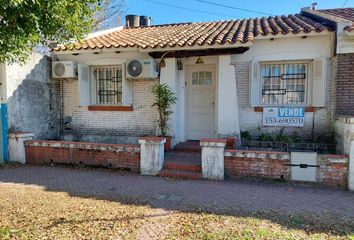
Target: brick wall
x=80 y=153
x=252 y=121
x=110 y=126
x=332 y=170
x=345 y=85
x=239 y=163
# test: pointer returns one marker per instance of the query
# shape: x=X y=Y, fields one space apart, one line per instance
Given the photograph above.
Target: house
x=228 y=76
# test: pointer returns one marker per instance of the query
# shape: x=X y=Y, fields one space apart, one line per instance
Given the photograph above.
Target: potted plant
x=164 y=100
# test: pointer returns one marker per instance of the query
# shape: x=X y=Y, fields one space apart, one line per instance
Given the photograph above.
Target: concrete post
x=351 y=167
x=17 y=151
x=213 y=158
x=151 y=155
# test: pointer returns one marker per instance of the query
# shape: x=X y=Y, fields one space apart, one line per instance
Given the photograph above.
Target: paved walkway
x=184 y=194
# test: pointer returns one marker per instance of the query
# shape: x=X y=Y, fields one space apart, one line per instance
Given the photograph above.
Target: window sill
x=307 y=109
x=111 y=108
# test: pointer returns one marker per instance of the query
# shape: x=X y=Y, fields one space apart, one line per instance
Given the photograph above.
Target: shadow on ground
x=310 y=208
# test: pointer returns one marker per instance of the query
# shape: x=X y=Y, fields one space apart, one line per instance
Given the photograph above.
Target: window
x=109 y=85
x=201 y=78
x=284 y=84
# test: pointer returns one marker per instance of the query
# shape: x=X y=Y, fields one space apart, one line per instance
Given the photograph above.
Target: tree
x=27 y=23
x=109 y=15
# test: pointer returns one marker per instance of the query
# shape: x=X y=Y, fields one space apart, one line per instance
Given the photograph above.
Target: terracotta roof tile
x=199 y=34
x=346 y=13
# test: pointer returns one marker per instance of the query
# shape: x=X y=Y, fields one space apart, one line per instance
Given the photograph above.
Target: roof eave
x=194 y=47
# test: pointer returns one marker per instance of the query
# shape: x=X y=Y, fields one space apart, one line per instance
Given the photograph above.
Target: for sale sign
x=284 y=116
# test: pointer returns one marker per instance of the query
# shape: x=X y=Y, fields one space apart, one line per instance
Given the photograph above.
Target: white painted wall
x=139 y=122
x=344 y=127
x=228 y=115
x=169 y=77
x=295 y=48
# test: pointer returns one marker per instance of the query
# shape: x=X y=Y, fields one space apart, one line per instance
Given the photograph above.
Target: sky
x=174 y=11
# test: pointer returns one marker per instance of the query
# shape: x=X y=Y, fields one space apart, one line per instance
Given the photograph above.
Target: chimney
x=132 y=21
x=313 y=6
x=145 y=21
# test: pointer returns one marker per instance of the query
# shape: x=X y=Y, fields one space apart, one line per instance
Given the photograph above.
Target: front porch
x=208 y=159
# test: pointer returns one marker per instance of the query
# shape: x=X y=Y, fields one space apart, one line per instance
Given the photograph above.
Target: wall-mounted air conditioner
x=64 y=69
x=141 y=68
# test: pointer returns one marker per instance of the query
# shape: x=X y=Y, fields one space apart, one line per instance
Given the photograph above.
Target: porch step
x=188 y=146
x=183 y=166
x=173 y=173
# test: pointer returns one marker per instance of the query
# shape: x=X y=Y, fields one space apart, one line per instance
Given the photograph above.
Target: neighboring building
x=29 y=100
x=342 y=20
x=228 y=76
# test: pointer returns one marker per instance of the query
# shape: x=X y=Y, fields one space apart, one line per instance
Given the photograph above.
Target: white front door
x=201 y=101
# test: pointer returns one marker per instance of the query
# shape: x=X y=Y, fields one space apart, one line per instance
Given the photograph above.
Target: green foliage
x=280 y=136
x=27 y=23
x=245 y=135
x=164 y=100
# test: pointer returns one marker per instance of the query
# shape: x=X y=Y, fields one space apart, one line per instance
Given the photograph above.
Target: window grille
x=109 y=85
x=201 y=78
x=284 y=84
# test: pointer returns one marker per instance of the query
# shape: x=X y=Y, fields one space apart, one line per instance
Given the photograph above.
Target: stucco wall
x=32 y=97
x=110 y=126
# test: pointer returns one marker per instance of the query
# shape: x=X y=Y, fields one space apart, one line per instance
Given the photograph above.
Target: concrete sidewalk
x=223 y=196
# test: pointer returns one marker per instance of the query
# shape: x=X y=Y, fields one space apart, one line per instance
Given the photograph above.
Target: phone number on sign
x=290 y=121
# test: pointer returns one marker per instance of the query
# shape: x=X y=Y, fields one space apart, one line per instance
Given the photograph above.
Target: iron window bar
x=293 y=76
x=280 y=91
x=109 y=85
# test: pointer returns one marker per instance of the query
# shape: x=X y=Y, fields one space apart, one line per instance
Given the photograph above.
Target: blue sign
x=291 y=112
x=284 y=116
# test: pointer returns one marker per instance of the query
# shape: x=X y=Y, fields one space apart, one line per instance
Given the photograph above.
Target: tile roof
x=346 y=13
x=232 y=32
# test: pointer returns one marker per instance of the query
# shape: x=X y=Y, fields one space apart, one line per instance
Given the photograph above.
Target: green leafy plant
x=164 y=100
x=245 y=135
x=26 y=24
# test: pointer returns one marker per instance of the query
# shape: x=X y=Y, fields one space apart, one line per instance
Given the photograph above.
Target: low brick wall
x=332 y=170
x=83 y=153
x=241 y=163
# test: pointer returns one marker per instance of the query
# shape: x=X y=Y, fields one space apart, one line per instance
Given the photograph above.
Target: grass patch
x=28 y=212
x=264 y=225
x=8 y=233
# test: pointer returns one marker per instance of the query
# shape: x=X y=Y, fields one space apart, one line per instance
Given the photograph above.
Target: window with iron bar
x=284 y=84
x=109 y=82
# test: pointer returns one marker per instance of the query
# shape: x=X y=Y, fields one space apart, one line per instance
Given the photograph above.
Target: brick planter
x=82 y=153
x=332 y=170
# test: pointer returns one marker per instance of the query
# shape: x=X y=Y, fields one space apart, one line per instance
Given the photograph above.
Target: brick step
x=186 y=147
x=172 y=173
x=193 y=167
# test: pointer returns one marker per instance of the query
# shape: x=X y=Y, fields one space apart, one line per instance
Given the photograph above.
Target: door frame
x=189 y=68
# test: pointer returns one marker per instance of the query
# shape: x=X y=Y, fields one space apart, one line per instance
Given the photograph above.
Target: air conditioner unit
x=141 y=68
x=64 y=69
